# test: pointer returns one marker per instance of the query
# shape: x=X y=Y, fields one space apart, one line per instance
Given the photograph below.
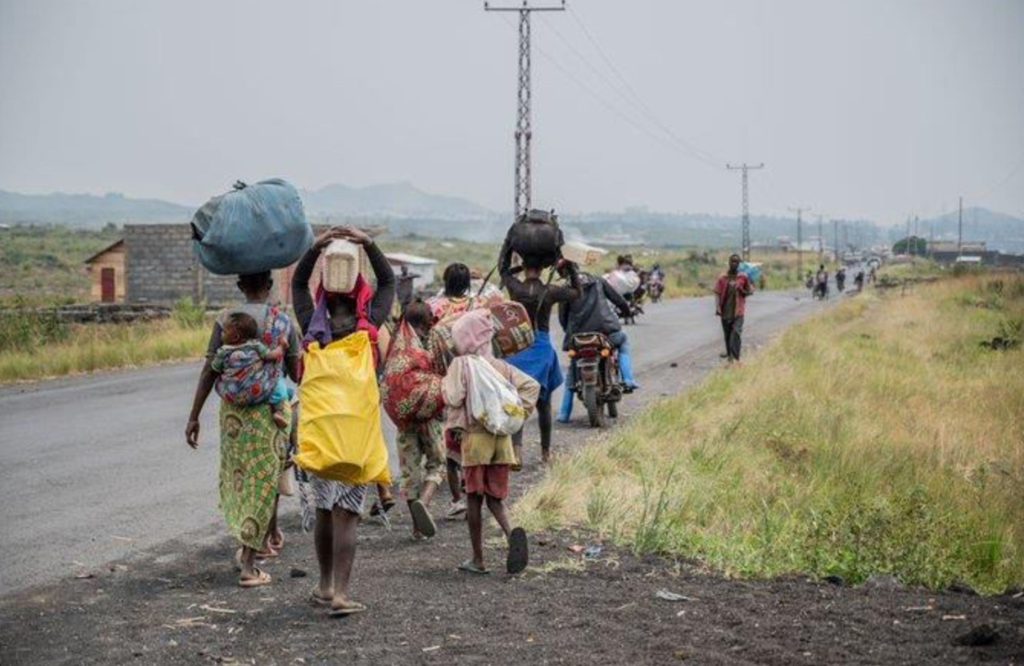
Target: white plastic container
x=343 y=261
x=582 y=254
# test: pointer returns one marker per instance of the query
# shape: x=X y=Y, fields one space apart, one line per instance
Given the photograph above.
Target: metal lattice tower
x=524 y=130
x=800 y=239
x=746 y=205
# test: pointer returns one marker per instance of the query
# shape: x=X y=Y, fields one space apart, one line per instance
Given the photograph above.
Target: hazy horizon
x=859 y=109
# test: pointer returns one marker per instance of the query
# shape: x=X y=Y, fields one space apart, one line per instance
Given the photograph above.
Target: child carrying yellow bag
x=340 y=436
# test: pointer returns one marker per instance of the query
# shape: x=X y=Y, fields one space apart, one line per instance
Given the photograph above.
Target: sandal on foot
x=318 y=600
x=262 y=578
x=347 y=608
x=469 y=567
x=518 y=551
x=421 y=518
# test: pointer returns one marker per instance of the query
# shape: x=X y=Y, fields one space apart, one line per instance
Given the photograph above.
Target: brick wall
x=161 y=268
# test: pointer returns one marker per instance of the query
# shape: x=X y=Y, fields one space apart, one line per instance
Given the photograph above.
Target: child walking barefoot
x=486 y=455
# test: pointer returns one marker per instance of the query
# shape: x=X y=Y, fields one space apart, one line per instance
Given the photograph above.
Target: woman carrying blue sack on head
x=539 y=361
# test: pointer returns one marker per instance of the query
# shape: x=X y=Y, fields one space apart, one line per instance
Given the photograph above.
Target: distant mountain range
x=406 y=209
x=998 y=230
x=390 y=200
x=86 y=210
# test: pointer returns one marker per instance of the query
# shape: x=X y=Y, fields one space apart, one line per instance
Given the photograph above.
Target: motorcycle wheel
x=594 y=411
x=613 y=410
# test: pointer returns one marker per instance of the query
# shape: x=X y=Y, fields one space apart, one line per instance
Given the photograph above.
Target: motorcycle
x=596 y=380
x=635 y=300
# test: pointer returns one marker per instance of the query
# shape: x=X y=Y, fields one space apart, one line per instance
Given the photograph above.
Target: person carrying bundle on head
x=539 y=361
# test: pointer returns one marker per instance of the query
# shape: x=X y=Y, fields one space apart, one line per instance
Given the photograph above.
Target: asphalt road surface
x=96 y=468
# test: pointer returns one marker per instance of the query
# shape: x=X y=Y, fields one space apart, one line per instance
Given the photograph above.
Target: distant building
x=949 y=252
x=106 y=272
x=423 y=269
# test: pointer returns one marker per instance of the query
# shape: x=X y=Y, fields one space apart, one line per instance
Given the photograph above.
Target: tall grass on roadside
x=24 y=329
x=90 y=347
x=882 y=436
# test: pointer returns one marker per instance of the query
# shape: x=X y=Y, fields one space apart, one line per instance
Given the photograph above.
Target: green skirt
x=252 y=451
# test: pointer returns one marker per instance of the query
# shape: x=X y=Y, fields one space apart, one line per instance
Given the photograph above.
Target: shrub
x=189 y=314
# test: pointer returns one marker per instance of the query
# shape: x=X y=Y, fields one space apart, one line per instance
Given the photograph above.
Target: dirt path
x=179 y=603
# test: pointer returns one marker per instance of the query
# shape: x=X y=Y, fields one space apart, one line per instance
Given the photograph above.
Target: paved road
x=96 y=468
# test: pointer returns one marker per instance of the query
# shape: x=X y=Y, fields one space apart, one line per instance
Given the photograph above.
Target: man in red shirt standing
x=731 y=293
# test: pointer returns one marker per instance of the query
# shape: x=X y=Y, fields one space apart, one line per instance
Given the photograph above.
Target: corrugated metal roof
x=403 y=258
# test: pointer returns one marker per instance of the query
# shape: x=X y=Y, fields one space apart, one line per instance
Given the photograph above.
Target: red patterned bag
x=410 y=388
x=512 y=330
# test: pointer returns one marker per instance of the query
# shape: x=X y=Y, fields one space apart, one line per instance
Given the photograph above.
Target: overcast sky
x=859 y=108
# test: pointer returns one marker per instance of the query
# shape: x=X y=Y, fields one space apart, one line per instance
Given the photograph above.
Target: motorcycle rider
x=656 y=280
x=592 y=313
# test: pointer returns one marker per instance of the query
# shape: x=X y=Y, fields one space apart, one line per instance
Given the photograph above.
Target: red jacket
x=744 y=288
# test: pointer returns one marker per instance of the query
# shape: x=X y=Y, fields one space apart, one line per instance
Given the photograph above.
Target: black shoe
x=518 y=551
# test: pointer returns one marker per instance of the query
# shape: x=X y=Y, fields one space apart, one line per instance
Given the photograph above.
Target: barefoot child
x=248 y=372
x=487 y=450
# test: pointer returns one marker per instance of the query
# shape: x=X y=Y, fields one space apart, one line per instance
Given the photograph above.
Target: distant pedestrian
x=731 y=293
x=821 y=282
x=858 y=281
x=840 y=280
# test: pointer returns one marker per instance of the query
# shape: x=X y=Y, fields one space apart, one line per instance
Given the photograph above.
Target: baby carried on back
x=248 y=370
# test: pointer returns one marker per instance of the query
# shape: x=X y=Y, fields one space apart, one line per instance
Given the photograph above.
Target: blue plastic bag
x=252 y=229
x=753 y=272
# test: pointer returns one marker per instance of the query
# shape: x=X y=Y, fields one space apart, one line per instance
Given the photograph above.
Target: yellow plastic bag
x=340 y=436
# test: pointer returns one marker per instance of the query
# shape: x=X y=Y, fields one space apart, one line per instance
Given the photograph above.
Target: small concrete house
x=423 y=269
x=106 y=271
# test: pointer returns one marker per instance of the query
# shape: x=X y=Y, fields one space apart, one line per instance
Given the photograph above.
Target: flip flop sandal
x=421 y=519
x=518 y=551
x=350 y=608
x=317 y=600
x=262 y=578
x=469 y=567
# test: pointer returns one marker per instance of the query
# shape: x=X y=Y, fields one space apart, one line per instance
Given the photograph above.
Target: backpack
x=492 y=400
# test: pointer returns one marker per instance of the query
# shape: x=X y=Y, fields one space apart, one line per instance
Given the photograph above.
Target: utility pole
x=799 y=240
x=960 y=230
x=524 y=130
x=835 y=238
x=746 y=205
x=821 y=242
x=909 y=253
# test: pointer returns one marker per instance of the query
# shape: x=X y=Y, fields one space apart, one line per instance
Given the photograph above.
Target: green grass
x=43 y=265
x=879 y=437
x=35 y=343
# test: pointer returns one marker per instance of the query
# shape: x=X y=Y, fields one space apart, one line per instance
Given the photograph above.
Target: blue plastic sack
x=253 y=228
x=753 y=272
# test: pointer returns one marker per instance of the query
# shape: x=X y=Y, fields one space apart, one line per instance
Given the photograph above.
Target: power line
x=612 y=108
x=638 y=101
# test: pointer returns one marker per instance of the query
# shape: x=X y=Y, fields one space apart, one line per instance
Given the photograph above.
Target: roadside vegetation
x=689 y=271
x=35 y=343
x=884 y=436
x=44 y=265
